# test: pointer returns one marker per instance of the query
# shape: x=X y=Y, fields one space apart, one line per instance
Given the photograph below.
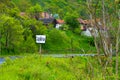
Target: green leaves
x=71 y=20
x=11 y=32
x=29 y=45
x=14 y=12
x=57 y=40
x=34 y=11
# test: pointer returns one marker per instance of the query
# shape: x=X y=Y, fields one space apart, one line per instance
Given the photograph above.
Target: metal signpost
x=41 y=40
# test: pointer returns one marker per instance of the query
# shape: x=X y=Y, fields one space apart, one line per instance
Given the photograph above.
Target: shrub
x=56 y=40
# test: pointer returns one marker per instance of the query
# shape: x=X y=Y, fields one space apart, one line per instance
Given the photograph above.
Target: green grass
x=66 y=42
x=35 y=67
x=82 y=42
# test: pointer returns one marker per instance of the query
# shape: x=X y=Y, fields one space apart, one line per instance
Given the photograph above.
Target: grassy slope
x=68 y=42
x=82 y=42
x=34 y=67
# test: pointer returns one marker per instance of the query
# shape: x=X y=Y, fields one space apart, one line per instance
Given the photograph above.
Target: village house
x=47 y=19
x=91 y=27
x=59 y=23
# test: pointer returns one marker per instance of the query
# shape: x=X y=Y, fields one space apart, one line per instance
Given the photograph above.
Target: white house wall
x=58 y=26
x=89 y=32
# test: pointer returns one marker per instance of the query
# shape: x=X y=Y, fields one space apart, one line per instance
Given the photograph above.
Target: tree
x=105 y=42
x=11 y=34
x=29 y=45
x=71 y=20
x=23 y=5
x=35 y=11
x=5 y=5
x=57 y=40
x=34 y=26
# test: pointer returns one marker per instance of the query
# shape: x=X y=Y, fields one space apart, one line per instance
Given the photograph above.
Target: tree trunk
x=117 y=46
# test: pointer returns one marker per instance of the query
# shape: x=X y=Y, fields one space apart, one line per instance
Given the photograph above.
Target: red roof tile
x=59 y=21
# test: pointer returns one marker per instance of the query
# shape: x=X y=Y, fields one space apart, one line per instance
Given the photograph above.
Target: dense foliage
x=17 y=32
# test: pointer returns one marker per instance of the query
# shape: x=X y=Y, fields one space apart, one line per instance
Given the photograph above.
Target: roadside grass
x=35 y=67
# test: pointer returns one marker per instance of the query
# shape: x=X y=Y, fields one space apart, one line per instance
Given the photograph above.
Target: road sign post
x=41 y=40
x=40 y=51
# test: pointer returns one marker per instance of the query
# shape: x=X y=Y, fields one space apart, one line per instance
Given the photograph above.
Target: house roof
x=59 y=21
x=47 y=20
x=45 y=15
x=88 y=23
x=41 y=15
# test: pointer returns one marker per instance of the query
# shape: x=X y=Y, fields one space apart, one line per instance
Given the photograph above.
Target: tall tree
x=71 y=20
x=23 y=5
x=104 y=43
x=35 y=11
x=11 y=33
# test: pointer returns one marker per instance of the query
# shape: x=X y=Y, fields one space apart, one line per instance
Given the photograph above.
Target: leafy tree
x=14 y=12
x=35 y=11
x=71 y=20
x=11 y=33
x=57 y=40
x=29 y=45
x=5 y=5
x=23 y=5
x=34 y=26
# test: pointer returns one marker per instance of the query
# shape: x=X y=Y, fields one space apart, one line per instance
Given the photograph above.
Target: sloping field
x=35 y=67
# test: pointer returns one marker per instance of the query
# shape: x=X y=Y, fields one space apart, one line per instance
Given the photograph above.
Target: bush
x=56 y=40
x=64 y=27
x=29 y=45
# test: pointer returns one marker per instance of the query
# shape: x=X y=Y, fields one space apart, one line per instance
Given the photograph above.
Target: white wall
x=89 y=32
x=58 y=26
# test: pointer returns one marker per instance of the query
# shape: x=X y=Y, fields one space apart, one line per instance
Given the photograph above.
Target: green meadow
x=36 y=67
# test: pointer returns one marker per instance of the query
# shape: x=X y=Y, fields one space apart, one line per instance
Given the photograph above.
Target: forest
x=22 y=20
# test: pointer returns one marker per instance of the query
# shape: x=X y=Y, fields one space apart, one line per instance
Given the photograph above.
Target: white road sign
x=40 y=38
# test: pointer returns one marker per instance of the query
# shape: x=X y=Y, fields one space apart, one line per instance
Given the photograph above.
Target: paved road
x=51 y=55
x=2 y=60
x=66 y=55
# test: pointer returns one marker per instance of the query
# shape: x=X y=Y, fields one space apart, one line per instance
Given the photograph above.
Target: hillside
x=31 y=31
x=21 y=39
x=60 y=7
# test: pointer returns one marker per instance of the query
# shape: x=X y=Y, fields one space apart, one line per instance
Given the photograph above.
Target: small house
x=59 y=23
x=91 y=27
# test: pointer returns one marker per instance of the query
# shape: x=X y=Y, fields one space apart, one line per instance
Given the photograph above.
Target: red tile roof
x=59 y=21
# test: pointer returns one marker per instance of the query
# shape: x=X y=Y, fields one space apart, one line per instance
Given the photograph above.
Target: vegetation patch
x=35 y=67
